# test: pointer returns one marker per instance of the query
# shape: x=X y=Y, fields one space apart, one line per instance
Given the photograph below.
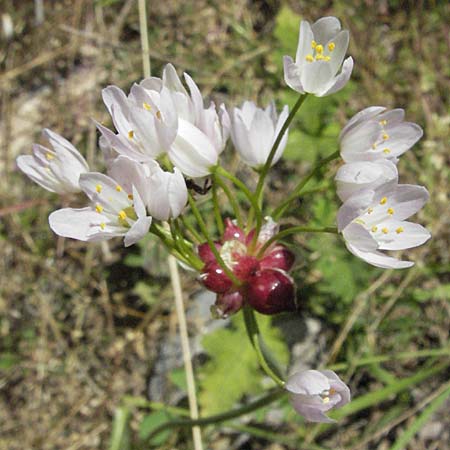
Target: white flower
x=314 y=392
x=376 y=134
x=358 y=176
x=254 y=130
x=320 y=53
x=117 y=207
x=374 y=220
x=57 y=170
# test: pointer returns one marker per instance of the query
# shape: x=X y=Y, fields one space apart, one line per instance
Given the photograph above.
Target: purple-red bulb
x=215 y=279
x=271 y=291
x=279 y=258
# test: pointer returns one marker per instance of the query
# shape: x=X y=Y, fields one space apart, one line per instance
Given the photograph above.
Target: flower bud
x=246 y=267
x=271 y=291
x=215 y=279
x=279 y=258
x=232 y=231
x=205 y=253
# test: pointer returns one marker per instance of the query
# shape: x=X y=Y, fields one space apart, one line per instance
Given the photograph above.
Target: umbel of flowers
x=165 y=154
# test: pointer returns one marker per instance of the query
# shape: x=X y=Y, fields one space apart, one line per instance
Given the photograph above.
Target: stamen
x=399 y=230
x=119 y=188
x=360 y=221
x=331 y=46
x=385 y=230
x=374 y=145
x=383 y=122
x=383 y=201
x=146 y=106
x=386 y=151
x=103 y=225
x=326 y=400
x=374 y=229
x=98 y=188
x=385 y=136
x=122 y=215
x=158 y=114
x=309 y=58
x=326 y=58
x=99 y=208
x=313 y=44
x=319 y=57
x=370 y=211
x=319 y=48
x=130 y=196
x=130 y=134
x=49 y=156
x=391 y=211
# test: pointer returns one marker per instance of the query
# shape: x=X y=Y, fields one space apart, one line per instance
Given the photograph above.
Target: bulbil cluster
x=262 y=273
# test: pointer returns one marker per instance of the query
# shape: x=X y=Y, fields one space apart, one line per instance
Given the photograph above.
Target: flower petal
x=357 y=236
x=138 y=230
x=378 y=259
x=307 y=382
x=341 y=80
x=325 y=29
x=292 y=75
x=401 y=235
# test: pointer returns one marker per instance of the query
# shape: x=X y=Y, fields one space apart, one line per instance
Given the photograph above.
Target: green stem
x=231 y=198
x=279 y=211
x=213 y=248
x=191 y=229
x=245 y=190
x=268 y=163
x=293 y=230
x=186 y=246
x=266 y=361
x=219 y=221
x=257 y=404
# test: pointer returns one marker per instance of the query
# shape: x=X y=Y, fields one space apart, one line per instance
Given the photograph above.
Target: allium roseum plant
x=164 y=162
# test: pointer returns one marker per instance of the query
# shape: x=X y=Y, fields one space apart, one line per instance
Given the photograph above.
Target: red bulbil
x=227 y=304
x=205 y=253
x=271 y=292
x=232 y=231
x=246 y=267
x=215 y=279
x=279 y=258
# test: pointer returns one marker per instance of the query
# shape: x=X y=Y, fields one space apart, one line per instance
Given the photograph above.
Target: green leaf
x=178 y=378
x=233 y=369
x=150 y=423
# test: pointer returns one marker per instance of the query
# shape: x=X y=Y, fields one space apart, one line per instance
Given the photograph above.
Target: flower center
x=318 y=52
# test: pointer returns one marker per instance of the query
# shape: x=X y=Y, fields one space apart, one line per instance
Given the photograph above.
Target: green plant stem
x=213 y=248
x=268 y=163
x=245 y=190
x=186 y=245
x=280 y=210
x=219 y=221
x=257 y=404
x=293 y=230
x=266 y=361
x=195 y=234
x=231 y=198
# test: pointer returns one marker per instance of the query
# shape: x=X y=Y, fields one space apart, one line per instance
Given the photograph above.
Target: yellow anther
x=385 y=136
x=158 y=114
x=374 y=229
x=98 y=188
x=103 y=225
x=320 y=57
x=319 y=48
x=385 y=230
x=331 y=46
x=383 y=122
x=383 y=201
x=327 y=58
x=131 y=134
x=130 y=196
x=309 y=58
x=146 y=106
x=99 y=208
x=119 y=188
x=313 y=44
x=370 y=211
x=326 y=400
x=391 y=211
x=360 y=221
x=374 y=145
x=49 y=156
x=399 y=230
x=386 y=151
x=122 y=215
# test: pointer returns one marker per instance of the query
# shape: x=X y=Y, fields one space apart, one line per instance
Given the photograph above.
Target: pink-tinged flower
x=265 y=283
x=254 y=130
x=57 y=169
x=357 y=176
x=320 y=55
x=374 y=220
x=376 y=133
x=117 y=208
x=312 y=393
